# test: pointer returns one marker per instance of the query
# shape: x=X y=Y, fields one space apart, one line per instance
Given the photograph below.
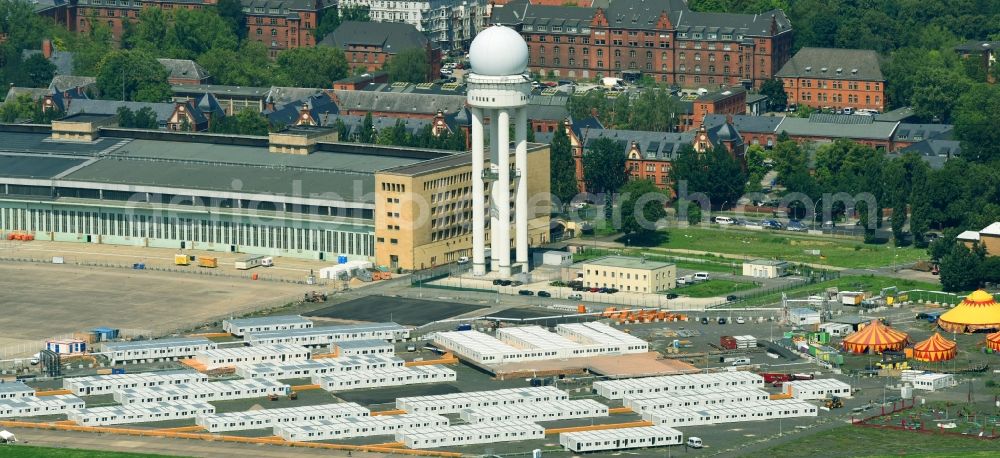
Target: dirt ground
x=45 y=300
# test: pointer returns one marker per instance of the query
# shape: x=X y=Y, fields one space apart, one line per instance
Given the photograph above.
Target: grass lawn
x=848 y=253
x=712 y=288
x=31 y=451
x=846 y=283
x=851 y=441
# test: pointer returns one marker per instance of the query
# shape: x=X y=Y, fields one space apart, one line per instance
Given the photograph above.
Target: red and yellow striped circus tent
x=935 y=348
x=993 y=341
x=875 y=338
x=979 y=311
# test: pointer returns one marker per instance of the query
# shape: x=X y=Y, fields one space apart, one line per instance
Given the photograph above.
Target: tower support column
x=478 y=195
x=521 y=194
x=501 y=194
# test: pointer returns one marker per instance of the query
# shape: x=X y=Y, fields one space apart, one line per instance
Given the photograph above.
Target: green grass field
x=848 y=253
x=851 y=441
x=847 y=283
x=31 y=451
x=712 y=288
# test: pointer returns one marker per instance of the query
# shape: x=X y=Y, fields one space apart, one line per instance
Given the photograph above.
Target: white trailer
x=537 y=412
x=325 y=336
x=456 y=402
x=144 y=351
x=620 y=439
x=145 y=413
x=479 y=433
x=242 y=326
x=209 y=391
x=363 y=347
x=250 y=262
x=377 y=378
x=269 y=418
x=108 y=384
x=651 y=386
x=231 y=357
x=731 y=413
x=695 y=398
x=34 y=406
x=17 y=389
x=359 y=427
x=817 y=389
x=306 y=369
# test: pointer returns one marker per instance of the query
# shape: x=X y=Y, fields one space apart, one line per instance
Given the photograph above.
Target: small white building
x=618 y=439
x=765 y=268
x=230 y=357
x=34 y=406
x=803 y=316
x=11 y=390
x=928 y=381
x=836 y=329
x=817 y=389
x=241 y=326
x=363 y=348
x=155 y=350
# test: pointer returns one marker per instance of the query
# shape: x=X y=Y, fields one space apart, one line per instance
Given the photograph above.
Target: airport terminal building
x=296 y=193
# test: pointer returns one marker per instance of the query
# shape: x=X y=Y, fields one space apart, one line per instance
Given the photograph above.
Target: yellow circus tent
x=993 y=341
x=936 y=348
x=875 y=338
x=978 y=311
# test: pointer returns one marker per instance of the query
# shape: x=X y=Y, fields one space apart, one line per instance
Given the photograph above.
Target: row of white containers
x=730 y=413
x=269 y=418
x=240 y=326
x=229 y=357
x=15 y=389
x=391 y=376
x=620 y=439
x=695 y=398
x=457 y=402
x=329 y=335
x=107 y=384
x=651 y=386
x=144 y=413
x=478 y=433
x=340 y=428
x=34 y=406
x=202 y=391
x=315 y=367
x=536 y=412
x=156 y=350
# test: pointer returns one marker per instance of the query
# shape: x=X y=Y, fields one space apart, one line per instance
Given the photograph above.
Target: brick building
x=985 y=51
x=369 y=45
x=279 y=24
x=835 y=78
x=726 y=102
x=659 y=38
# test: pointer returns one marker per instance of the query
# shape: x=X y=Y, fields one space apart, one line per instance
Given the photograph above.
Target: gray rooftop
x=362 y=344
x=767 y=262
x=802 y=127
x=29 y=166
x=15 y=387
x=67 y=82
x=221 y=90
x=626 y=262
x=268 y=320
x=392 y=37
x=833 y=63
x=157 y=343
x=184 y=69
x=918 y=132
x=399 y=102
x=747 y=123
x=40 y=143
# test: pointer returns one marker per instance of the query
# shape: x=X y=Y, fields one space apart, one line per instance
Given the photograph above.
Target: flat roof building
x=629 y=274
x=765 y=268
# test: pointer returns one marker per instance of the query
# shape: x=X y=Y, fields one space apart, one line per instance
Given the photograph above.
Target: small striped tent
x=993 y=341
x=875 y=338
x=935 y=348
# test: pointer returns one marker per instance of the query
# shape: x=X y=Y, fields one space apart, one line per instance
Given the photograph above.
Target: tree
x=313 y=67
x=126 y=118
x=21 y=108
x=329 y=20
x=774 y=89
x=246 y=122
x=604 y=170
x=231 y=12
x=562 y=168
x=936 y=92
x=976 y=119
x=136 y=75
x=757 y=167
x=355 y=13
x=367 y=133
x=409 y=66
x=714 y=172
x=36 y=71
x=960 y=268
x=150 y=33
x=341 y=128
x=145 y=118
x=642 y=205
x=196 y=31
x=249 y=66
x=90 y=49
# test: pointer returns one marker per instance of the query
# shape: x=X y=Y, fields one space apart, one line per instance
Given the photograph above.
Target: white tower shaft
x=478 y=195
x=500 y=246
x=521 y=194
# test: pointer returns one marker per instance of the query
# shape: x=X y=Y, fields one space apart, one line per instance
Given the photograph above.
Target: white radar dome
x=498 y=51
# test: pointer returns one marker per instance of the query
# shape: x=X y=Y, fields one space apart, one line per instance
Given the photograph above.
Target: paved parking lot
x=406 y=311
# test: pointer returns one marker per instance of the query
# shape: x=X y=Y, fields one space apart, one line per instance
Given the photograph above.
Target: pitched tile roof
x=66 y=82
x=833 y=63
x=392 y=37
x=184 y=69
x=63 y=60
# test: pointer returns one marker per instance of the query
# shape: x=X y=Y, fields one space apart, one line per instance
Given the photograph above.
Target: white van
x=701 y=276
x=724 y=220
x=694 y=442
x=741 y=362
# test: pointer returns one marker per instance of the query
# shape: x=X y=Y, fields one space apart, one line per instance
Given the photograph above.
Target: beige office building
x=629 y=274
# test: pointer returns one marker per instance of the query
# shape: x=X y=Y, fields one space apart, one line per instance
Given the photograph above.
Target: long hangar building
x=296 y=193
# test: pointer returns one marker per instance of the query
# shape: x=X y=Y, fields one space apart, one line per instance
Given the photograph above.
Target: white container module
x=156 y=350
x=359 y=427
x=34 y=406
x=377 y=378
x=536 y=412
x=307 y=369
x=229 y=357
x=363 y=348
x=11 y=390
x=144 y=413
x=207 y=391
x=619 y=389
x=479 y=433
x=269 y=418
x=600 y=333
x=481 y=348
x=107 y=384
x=928 y=381
x=456 y=402
x=695 y=398
x=535 y=339
x=817 y=389
x=621 y=439
x=324 y=336
x=747 y=341
x=731 y=413
x=240 y=326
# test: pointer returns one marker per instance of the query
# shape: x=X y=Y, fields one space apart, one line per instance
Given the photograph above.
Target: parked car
x=704 y=320
x=731 y=298
x=505 y=282
x=796 y=226
x=612 y=290
x=724 y=221
x=771 y=224
x=497 y=282
x=722 y=320
x=594 y=290
x=516 y=283
x=463 y=260
x=829 y=224
x=702 y=276
x=672 y=296
x=740 y=320
x=575 y=297
x=526 y=292
x=544 y=294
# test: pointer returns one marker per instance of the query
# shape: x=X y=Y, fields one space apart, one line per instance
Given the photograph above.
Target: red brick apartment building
x=369 y=45
x=834 y=78
x=279 y=24
x=659 y=38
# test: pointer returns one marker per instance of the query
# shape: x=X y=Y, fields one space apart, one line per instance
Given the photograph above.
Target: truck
x=210 y=262
x=254 y=261
x=182 y=260
x=774 y=378
x=7 y=437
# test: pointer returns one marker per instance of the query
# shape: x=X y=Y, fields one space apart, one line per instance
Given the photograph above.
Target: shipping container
x=181 y=260
x=208 y=261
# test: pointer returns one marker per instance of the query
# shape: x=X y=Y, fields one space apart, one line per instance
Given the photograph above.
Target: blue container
x=117 y=370
x=464 y=327
x=341 y=259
